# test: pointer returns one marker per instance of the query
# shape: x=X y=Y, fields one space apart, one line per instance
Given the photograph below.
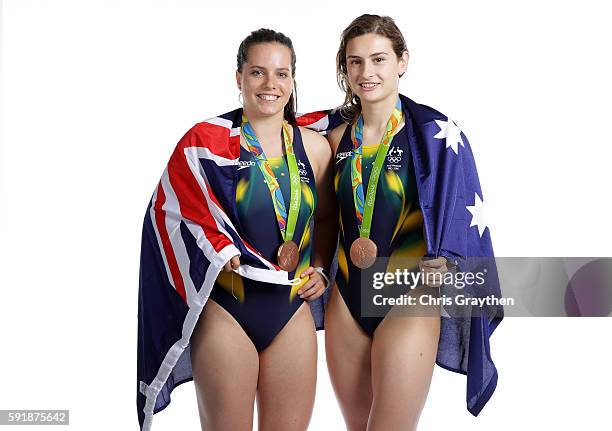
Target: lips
x=368 y=86
x=268 y=97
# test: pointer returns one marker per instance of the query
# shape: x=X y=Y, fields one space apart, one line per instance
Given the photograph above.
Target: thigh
x=287 y=376
x=225 y=367
x=347 y=349
x=404 y=351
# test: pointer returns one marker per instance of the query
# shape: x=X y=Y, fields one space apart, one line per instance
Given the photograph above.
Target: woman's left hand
x=434 y=266
x=314 y=287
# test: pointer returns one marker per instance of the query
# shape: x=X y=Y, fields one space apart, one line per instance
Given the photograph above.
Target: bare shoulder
x=316 y=146
x=317 y=149
x=335 y=136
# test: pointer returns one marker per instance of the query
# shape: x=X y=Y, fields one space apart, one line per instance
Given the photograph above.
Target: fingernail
x=299 y=292
x=302 y=296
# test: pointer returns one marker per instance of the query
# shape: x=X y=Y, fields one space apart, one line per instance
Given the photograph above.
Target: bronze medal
x=287 y=256
x=363 y=252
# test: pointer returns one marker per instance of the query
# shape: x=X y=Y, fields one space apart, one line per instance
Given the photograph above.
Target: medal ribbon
x=364 y=208
x=285 y=224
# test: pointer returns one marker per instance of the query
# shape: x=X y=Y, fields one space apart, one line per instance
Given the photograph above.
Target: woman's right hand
x=232 y=264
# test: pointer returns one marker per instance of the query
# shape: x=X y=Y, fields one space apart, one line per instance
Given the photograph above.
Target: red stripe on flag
x=160 y=221
x=244 y=241
x=310 y=118
x=234 y=145
x=206 y=135
x=191 y=199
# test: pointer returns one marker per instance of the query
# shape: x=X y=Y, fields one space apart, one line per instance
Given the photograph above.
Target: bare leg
x=225 y=368
x=287 y=376
x=347 y=350
x=403 y=357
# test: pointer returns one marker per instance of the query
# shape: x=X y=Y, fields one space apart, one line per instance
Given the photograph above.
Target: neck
x=376 y=115
x=267 y=128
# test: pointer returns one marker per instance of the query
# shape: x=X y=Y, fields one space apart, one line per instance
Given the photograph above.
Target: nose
x=367 y=69
x=270 y=82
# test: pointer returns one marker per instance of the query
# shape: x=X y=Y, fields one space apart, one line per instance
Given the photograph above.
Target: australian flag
x=190 y=232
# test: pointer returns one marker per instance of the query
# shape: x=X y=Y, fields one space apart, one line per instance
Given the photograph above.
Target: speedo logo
x=242 y=164
x=342 y=156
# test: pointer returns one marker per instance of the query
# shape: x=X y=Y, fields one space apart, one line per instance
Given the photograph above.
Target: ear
x=403 y=63
x=239 y=80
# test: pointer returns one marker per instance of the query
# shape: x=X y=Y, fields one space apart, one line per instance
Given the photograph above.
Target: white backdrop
x=95 y=94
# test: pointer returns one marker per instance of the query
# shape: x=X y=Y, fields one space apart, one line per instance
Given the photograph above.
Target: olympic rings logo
x=394 y=159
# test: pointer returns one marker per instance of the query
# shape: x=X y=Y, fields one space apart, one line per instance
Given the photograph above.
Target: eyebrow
x=376 y=54
x=261 y=67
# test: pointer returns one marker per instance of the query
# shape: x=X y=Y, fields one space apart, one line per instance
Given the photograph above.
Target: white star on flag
x=478 y=214
x=452 y=133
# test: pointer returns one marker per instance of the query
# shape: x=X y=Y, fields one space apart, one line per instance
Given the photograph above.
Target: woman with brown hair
x=393 y=182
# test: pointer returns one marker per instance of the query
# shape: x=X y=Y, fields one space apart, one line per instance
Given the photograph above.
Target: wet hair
x=364 y=24
x=264 y=35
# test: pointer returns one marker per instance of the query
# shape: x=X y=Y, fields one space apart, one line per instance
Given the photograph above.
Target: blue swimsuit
x=397 y=222
x=263 y=309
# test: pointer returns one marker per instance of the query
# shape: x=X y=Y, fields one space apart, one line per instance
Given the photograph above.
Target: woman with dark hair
x=229 y=264
x=391 y=191
x=262 y=335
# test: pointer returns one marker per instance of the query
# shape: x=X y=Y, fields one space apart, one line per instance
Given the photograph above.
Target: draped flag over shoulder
x=191 y=229
x=452 y=204
x=189 y=233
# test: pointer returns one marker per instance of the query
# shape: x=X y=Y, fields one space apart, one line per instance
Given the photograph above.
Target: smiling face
x=373 y=68
x=266 y=79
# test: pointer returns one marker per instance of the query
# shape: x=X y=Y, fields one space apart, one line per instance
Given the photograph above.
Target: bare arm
x=326 y=221
x=335 y=136
x=326 y=214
